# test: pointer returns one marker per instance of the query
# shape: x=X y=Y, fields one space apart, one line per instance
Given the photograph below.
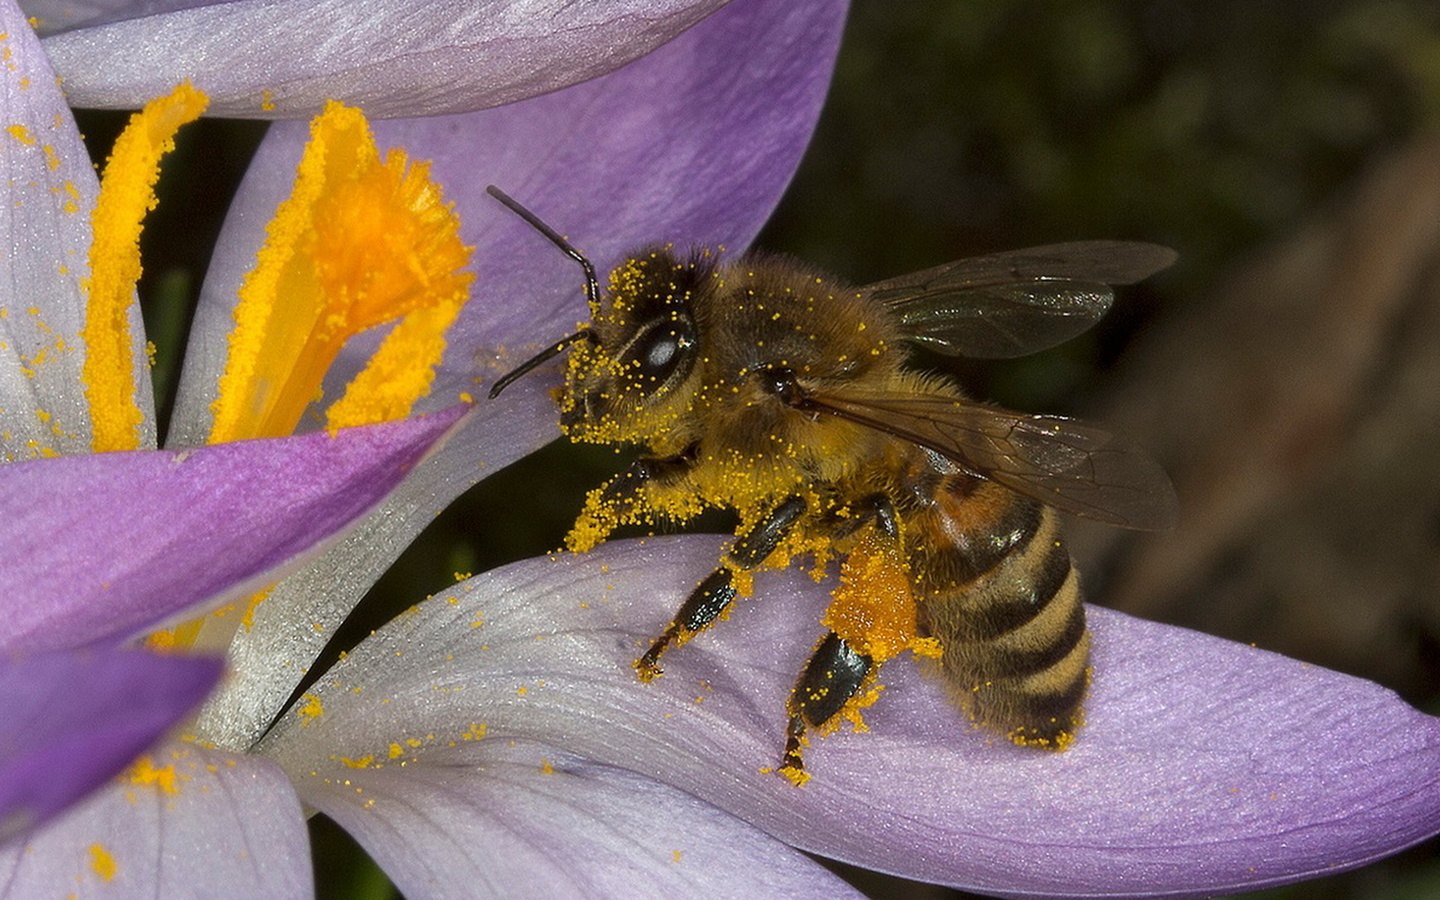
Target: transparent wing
x=1009 y=304
x=1058 y=461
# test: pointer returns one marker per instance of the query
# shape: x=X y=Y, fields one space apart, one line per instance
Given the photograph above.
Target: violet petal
x=1206 y=766
x=105 y=545
x=73 y=720
x=265 y=59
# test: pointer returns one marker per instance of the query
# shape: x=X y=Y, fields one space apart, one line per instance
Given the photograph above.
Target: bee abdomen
x=1011 y=624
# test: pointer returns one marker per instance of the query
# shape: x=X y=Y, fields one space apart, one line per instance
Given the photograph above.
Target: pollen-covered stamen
x=127 y=193
x=360 y=242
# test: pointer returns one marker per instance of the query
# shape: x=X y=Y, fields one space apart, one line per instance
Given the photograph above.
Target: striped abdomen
x=997 y=589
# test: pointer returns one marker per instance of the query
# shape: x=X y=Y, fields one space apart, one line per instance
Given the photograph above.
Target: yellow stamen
x=359 y=243
x=127 y=193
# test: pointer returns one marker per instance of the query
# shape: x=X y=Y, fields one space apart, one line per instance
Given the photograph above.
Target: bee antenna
x=592 y=285
x=548 y=353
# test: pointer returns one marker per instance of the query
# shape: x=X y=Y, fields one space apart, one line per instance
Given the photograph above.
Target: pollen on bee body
x=874 y=608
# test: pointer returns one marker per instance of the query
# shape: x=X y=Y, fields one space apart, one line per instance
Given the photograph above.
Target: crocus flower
x=158 y=828
x=102 y=547
x=495 y=735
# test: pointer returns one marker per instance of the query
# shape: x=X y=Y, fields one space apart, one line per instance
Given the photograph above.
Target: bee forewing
x=1060 y=462
x=1009 y=304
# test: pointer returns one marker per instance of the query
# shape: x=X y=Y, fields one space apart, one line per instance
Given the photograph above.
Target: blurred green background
x=955 y=128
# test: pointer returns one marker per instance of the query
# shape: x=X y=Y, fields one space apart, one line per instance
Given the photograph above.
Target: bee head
x=643 y=345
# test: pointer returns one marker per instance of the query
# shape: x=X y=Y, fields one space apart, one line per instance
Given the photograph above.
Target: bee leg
x=833 y=675
x=836 y=671
x=623 y=491
x=714 y=594
x=876 y=508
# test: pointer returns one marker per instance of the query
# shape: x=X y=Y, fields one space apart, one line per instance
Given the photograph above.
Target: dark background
x=1286 y=370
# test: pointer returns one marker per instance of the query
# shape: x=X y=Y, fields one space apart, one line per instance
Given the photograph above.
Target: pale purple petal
x=285 y=58
x=693 y=145
x=47 y=190
x=532 y=820
x=686 y=143
x=73 y=720
x=53 y=15
x=228 y=826
x=1205 y=765
x=102 y=546
x=271 y=657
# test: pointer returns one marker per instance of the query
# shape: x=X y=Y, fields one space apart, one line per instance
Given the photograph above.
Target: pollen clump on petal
x=127 y=194
x=102 y=862
x=145 y=773
x=309 y=709
x=361 y=242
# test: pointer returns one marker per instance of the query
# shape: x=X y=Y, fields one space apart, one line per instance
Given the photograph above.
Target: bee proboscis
x=766 y=387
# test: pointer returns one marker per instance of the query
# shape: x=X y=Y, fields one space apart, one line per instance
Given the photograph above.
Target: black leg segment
x=709 y=600
x=833 y=675
x=622 y=491
x=702 y=607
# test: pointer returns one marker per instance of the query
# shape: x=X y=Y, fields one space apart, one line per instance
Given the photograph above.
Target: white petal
x=47 y=190
x=530 y=820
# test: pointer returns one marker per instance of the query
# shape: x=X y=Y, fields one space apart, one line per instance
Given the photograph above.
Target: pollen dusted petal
x=127 y=194
x=230 y=826
x=47 y=190
x=73 y=720
x=1205 y=766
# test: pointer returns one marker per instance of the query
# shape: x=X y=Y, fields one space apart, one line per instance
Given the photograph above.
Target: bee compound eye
x=660 y=351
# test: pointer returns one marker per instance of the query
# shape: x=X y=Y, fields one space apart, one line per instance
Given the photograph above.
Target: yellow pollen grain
x=476 y=732
x=396 y=751
x=145 y=773
x=21 y=134
x=102 y=863
x=127 y=194
x=310 y=709
x=363 y=762
x=361 y=242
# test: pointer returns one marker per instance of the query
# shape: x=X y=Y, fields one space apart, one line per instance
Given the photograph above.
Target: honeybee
x=766 y=387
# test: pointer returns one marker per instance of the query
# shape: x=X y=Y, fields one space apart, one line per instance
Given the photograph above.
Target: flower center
x=360 y=242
